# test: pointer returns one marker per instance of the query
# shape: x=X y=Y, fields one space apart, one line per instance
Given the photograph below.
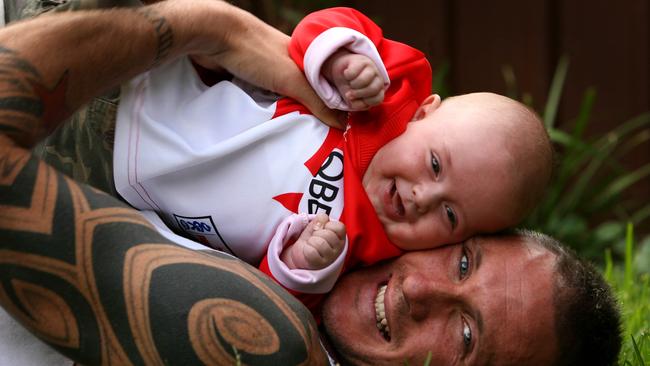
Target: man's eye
x=467 y=334
x=435 y=164
x=451 y=216
x=463 y=265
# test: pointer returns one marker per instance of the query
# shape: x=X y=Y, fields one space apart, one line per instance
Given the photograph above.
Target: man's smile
x=380 y=312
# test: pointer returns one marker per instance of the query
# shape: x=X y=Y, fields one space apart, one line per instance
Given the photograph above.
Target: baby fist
x=357 y=79
x=318 y=246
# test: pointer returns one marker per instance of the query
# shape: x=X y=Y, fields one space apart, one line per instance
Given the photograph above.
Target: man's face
x=486 y=301
x=448 y=176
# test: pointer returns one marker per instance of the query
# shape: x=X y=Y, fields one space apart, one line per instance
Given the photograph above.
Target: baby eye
x=467 y=334
x=435 y=164
x=463 y=265
x=451 y=216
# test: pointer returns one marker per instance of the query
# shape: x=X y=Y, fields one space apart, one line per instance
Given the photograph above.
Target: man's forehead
x=521 y=323
x=517 y=242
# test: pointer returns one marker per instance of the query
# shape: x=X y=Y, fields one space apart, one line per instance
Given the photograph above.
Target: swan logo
x=203 y=230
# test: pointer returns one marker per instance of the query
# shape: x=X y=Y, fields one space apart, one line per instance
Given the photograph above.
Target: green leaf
x=619 y=132
x=609 y=265
x=427 y=361
x=585 y=112
x=637 y=352
x=636 y=140
x=616 y=187
x=642 y=257
x=609 y=231
x=641 y=215
x=629 y=246
x=554 y=94
x=439 y=82
x=561 y=137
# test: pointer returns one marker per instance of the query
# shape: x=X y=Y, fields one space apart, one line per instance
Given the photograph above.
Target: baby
x=256 y=175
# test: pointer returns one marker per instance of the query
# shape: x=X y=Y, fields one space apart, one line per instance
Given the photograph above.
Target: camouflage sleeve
x=23 y=9
x=81 y=148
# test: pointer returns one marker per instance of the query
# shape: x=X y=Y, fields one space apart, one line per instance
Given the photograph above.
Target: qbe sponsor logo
x=325 y=186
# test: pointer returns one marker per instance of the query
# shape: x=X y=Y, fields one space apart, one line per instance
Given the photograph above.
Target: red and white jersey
x=229 y=164
x=223 y=164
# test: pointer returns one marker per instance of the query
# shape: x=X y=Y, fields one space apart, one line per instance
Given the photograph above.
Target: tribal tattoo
x=91 y=277
x=163 y=31
x=20 y=108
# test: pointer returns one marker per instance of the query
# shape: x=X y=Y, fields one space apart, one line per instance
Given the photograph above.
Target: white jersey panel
x=211 y=160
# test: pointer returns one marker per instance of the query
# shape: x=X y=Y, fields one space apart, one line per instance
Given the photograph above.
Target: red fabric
x=288 y=105
x=410 y=77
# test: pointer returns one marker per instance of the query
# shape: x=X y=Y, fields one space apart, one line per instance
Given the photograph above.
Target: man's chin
x=333 y=339
x=332 y=347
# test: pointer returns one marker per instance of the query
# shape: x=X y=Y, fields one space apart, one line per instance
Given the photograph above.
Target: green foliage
x=589 y=179
x=439 y=83
x=633 y=291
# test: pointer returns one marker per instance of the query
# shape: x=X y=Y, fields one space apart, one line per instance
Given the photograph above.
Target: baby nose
x=425 y=296
x=424 y=197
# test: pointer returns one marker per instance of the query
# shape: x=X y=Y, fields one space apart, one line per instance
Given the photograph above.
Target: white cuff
x=302 y=280
x=326 y=44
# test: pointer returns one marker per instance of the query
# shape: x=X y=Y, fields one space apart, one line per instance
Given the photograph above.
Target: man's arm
x=84 y=272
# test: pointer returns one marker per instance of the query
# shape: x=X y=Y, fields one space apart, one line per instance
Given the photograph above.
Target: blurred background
x=583 y=65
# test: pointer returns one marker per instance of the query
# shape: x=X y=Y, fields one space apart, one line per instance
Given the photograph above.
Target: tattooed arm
x=89 y=275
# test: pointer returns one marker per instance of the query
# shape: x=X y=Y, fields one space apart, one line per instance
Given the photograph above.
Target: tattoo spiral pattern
x=240 y=325
x=93 y=278
x=53 y=283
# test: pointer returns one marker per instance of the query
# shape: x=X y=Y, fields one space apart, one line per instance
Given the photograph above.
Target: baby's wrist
x=287 y=257
x=332 y=65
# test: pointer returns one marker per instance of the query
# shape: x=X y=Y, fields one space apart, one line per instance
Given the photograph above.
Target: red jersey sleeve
x=403 y=63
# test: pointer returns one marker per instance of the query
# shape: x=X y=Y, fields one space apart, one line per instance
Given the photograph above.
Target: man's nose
x=425 y=296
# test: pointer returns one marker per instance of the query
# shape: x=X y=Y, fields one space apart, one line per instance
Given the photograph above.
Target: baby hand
x=356 y=78
x=318 y=246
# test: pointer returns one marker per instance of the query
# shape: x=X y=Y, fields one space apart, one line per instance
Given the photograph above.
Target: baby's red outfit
x=226 y=165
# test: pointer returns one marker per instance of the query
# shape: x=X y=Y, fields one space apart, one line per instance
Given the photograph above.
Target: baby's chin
x=401 y=238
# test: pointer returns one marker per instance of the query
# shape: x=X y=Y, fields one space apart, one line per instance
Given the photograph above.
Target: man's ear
x=430 y=104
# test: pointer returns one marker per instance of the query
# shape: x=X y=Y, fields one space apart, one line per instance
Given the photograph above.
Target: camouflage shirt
x=82 y=147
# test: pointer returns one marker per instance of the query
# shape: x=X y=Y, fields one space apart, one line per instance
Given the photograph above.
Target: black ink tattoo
x=28 y=109
x=91 y=277
x=163 y=33
x=115 y=292
x=21 y=110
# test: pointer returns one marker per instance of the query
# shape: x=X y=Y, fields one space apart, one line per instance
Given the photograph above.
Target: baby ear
x=430 y=104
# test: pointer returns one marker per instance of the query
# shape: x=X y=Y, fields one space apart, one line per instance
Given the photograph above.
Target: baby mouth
x=397 y=200
x=380 y=313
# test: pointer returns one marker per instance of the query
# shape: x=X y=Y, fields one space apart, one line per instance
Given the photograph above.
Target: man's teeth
x=380 y=312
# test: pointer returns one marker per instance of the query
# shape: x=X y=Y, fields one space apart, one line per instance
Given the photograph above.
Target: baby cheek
x=422 y=234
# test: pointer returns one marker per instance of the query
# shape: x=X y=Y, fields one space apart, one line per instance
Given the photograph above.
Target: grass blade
x=555 y=93
x=629 y=247
x=609 y=265
x=585 y=112
x=637 y=352
x=427 y=361
x=616 y=187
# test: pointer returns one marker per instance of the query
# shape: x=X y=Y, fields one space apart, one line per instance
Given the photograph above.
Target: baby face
x=447 y=177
